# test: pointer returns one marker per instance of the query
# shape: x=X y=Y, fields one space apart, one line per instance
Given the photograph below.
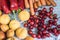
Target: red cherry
x=44 y=26
x=56 y=34
x=36 y=25
x=58 y=26
x=56 y=19
x=51 y=8
x=25 y=25
x=43 y=36
x=32 y=23
x=51 y=17
x=44 y=9
x=33 y=35
x=39 y=32
x=44 y=31
x=47 y=34
x=31 y=27
x=55 y=30
x=36 y=20
x=39 y=28
x=59 y=31
x=38 y=36
x=50 y=21
x=29 y=21
x=54 y=23
x=54 y=15
x=48 y=14
x=30 y=32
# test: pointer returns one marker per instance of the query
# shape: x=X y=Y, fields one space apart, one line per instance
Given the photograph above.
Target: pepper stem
x=14 y=14
x=19 y=10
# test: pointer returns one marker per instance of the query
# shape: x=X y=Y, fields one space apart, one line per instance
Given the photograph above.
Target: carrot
x=52 y=2
x=39 y=3
x=35 y=5
x=31 y=7
x=33 y=1
x=26 y=4
x=47 y=2
x=43 y=2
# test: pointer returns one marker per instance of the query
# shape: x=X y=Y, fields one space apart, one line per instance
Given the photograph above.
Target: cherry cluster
x=43 y=29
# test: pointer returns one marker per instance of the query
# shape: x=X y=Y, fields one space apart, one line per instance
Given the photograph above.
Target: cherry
x=56 y=19
x=30 y=32
x=36 y=20
x=50 y=21
x=44 y=31
x=51 y=17
x=43 y=36
x=51 y=8
x=29 y=21
x=54 y=15
x=31 y=27
x=48 y=14
x=33 y=35
x=39 y=28
x=58 y=26
x=32 y=23
x=55 y=30
x=25 y=25
x=58 y=31
x=44 y=9
x=36 y=25
x=44 y=26
x=38 y=36
x=54 y=23
x=39 y=32
x=47 y=34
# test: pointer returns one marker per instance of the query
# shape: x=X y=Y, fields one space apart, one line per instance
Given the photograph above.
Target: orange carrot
x=47 y=2
x=52 y=2
x=43 y=2
x=39 y=3
x=31 y=7
x=26 y=4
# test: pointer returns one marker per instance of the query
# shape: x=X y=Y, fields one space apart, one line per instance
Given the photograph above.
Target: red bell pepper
x=13 y=5
x=21 y=4
x=0 y=5
x=5 y=6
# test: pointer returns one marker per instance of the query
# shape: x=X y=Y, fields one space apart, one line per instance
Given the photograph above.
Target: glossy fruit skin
x=33 y=35
x=30 y=32
x=38 y=36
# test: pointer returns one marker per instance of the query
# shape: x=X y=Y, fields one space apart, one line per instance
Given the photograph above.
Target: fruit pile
x=38 y=22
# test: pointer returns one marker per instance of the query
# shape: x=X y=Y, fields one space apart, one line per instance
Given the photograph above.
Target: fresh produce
x=24 y=15
x=10 y=33
x=11 y=38
x=2 y=35
x=13 y=5
x=14 y=24
x=47 y=2
x=26 y=4
x=0 y=6
x=31 y=7
x=44 y=29
x=4 y=19
x=5 y=7
x=43 y=2
x=0 y=13
x=39 y=3
x=4 y=28
x=29 y=38
x=52 y=2
x=21 y=4
x=21 y=33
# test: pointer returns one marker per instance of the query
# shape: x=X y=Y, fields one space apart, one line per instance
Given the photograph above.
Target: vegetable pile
x=10 y=26
x=9 y=6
